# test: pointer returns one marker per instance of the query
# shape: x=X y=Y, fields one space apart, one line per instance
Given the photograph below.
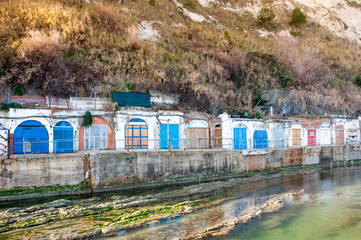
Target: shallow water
x=330 y=208
x=332 y=212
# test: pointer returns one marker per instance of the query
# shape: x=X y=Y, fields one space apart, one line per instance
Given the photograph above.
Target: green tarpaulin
x=132 y=99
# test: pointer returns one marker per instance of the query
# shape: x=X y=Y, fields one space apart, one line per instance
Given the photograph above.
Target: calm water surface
x=329 y=209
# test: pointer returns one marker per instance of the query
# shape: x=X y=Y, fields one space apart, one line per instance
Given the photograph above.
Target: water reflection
x=330 y=209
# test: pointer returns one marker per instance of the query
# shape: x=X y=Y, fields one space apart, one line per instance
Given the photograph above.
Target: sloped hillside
x=218 y=55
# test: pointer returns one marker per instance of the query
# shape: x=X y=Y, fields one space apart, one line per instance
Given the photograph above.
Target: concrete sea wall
x=41 y=171
x=114 y=169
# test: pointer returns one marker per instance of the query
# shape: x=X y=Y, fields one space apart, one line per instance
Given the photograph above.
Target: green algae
x=43 y=190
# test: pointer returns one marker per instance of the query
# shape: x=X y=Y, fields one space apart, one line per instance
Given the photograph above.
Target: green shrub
x=152 y=2
x=180 y=9
x=295 y=33
x=358 y=81
x=19 y=90
x=258 y=115
x=88 y=119
x=266 y=17
x=298 y=16
x=228 y=37
x=131 y=86
x=7 y=106
x=258 y=100
x=190 y=3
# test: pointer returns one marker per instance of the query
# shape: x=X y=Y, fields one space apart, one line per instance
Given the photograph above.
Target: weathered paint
x=340 y=135
x=240 y=137
x=31 y=137
x=197 y=135
x=98 y=121
x=63 y=137
x=136 y=134
x=260 y=138
x=169 y=136
x=325 y=134
x=41 y=170
x=112 y=169
x=311 y=137
x=279 y=136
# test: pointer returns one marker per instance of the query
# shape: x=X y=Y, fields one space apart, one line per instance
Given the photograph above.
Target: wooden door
x=340 y=135
x=217 y=139
x=296 y=137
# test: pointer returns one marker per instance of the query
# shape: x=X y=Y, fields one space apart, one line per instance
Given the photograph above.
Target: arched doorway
x=260 y=138
x=136 y=134
x=97 y=136
x=198 y=134
x=31 y=137
x=217 y=136
x=63 y=137
x=325 y=134
x=240 y=137
x=340 y=135
x=279 y=136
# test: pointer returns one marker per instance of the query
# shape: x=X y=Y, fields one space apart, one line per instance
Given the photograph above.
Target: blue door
x=31 y=137
x=260 y=139
x=63 y=137
x=240 y=137
x=169 y=136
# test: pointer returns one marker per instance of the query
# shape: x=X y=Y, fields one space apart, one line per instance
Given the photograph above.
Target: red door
x=311 y=137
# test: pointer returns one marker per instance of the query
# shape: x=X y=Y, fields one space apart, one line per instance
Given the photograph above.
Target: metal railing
x=145 y=144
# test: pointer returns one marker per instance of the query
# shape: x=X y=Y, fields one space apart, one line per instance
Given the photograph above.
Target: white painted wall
x=323 y=134
x=153 y=126
x=122 y=117
x=228 y=124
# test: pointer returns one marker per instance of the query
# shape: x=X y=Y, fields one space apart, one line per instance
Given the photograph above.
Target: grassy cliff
x=220 y=64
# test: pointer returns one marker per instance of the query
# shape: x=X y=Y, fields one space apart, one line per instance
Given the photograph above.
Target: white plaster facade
x=153 y=121
x=229 y=123
x=349 y=125
x=324 y=134
x=14 y=117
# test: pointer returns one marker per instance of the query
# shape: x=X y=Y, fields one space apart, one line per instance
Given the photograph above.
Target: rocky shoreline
x=126 y=213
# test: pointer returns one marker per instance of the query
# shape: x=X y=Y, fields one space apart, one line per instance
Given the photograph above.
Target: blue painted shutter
x=260 y=139
x=173 y=141
x=240 y=138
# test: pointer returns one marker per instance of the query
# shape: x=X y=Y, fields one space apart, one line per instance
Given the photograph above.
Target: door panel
x=169 y=135
x=296 y=137
x=240 y=138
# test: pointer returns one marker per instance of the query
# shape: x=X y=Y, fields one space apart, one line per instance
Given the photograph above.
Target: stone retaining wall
x=110 y=169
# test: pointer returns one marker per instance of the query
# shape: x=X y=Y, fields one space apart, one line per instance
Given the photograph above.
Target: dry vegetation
x=57 y=46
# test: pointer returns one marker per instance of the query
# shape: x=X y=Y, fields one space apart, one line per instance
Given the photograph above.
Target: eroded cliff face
x=214 y=54
x=342 y=17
